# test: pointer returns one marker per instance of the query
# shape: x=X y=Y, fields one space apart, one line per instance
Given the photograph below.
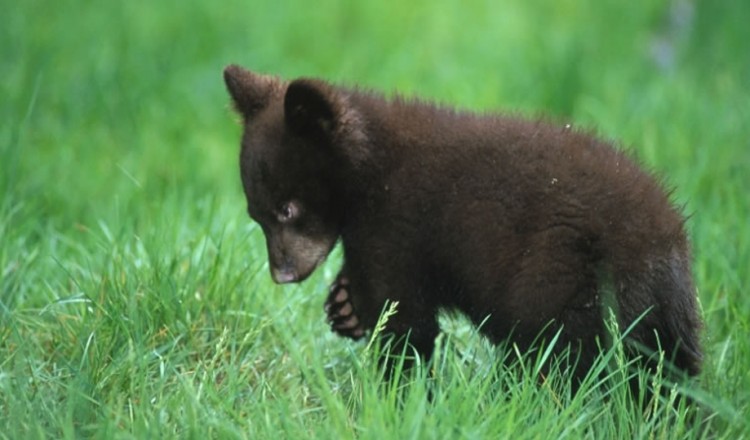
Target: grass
x=135 y=300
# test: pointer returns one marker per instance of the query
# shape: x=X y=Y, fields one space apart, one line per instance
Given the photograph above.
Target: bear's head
x=297 y=137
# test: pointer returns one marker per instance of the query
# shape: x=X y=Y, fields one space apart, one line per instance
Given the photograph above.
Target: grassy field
x=135 y=300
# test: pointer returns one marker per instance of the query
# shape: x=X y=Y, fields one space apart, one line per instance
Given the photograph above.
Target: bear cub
x=530 y=229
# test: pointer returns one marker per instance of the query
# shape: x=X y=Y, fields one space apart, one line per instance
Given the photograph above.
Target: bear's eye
x=288 y=212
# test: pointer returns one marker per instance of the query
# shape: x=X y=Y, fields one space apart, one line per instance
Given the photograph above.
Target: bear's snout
x=283 y=275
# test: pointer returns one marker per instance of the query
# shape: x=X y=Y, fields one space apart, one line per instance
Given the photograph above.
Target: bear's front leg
x=340 y=310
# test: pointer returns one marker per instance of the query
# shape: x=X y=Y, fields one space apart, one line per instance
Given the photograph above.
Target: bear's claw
x=340 y=311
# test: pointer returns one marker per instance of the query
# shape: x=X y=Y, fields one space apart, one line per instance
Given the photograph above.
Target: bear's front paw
x=340 y=311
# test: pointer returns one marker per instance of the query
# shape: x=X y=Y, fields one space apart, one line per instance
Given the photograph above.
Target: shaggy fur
x=522 y=225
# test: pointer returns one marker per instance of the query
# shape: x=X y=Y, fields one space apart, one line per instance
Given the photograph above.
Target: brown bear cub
x=528 y=228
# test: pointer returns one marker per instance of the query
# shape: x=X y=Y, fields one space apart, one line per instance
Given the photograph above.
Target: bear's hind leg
x=555 y=290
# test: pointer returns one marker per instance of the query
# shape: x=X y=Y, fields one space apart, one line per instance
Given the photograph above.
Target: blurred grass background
x=134 y=295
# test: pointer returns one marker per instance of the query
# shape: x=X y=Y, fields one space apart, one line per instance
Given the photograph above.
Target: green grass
x=135 y=300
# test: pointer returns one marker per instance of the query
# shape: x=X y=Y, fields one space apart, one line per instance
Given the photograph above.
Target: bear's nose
x=282 y=276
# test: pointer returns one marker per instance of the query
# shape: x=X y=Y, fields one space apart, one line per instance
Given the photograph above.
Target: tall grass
x=134 y=295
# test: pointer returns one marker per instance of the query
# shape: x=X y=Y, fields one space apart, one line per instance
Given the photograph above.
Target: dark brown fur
x=520 y=221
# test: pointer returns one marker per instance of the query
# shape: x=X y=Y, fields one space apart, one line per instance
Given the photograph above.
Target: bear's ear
x=316 y=109
x=250 y=91
x=311 y=108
